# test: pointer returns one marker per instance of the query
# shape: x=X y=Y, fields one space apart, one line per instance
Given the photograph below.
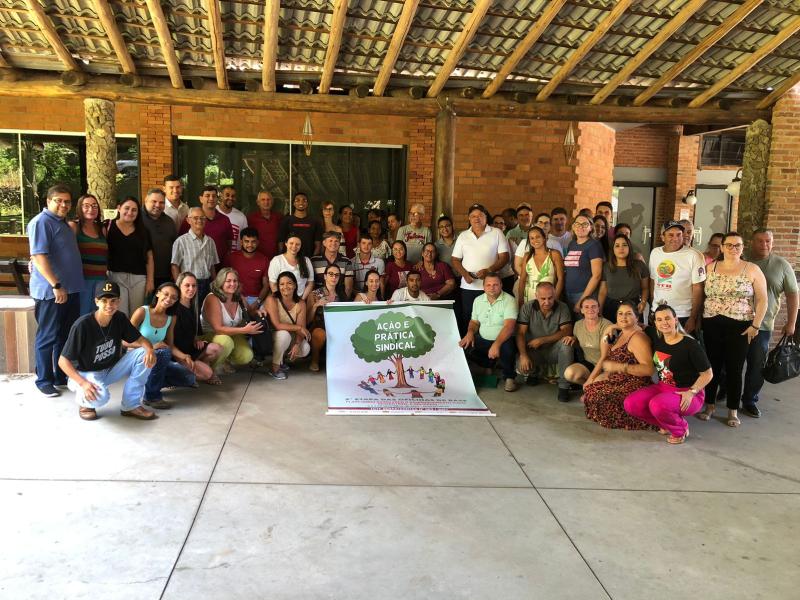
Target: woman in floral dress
x=625 y=366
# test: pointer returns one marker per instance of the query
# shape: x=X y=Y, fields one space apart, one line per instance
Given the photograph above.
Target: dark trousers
x=508 y=355
x=467 y=300
x=756 y=357
x=53 y=325
x=727 y=349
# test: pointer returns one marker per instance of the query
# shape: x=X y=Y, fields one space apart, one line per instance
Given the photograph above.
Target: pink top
x=431 y=284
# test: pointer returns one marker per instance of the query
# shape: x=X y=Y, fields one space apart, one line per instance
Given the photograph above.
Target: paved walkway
x=249 y=491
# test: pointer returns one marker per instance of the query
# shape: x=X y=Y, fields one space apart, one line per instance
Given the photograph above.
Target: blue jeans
x=508 y=354
x=87 y=296
x=756 y=357
x=129 y=367
x=467 y=300
x=53 y=325
x=166 y=373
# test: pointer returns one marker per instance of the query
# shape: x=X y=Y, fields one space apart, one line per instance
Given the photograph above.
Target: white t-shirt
x=238 y=222
x=477 y=253
x=673 y=274
x=402 y=295
x=559 y=242
x=279 y=264
x=551 y=243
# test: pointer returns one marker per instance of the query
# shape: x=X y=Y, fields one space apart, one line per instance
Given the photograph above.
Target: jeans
x=87 y=293
x=129 y=367
x=508 y=353
x=165 y=373
x=558 y=354
x=53 y=325
x=467 y=300
x=726 y=348
x=660 y=405
x=754 y=377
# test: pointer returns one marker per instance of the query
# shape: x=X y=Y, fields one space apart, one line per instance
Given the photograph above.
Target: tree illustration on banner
x=393 y=336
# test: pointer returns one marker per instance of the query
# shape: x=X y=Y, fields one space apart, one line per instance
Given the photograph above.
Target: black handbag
x=783 y=361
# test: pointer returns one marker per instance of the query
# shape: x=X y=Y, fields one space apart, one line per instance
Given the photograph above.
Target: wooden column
x=444 y=160
x=101 y=151
x=753 y=189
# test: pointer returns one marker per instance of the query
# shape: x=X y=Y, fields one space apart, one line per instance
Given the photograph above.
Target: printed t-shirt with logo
x=94 y=348
x=673 y=274
x=578 y=264
x=679 y=364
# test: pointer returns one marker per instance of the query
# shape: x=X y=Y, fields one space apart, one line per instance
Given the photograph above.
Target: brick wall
x=646 y=146
x=155 y=144
x=421 y=141
x=594 y=165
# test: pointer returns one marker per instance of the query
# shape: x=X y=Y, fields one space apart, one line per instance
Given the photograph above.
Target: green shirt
x=780 y=279
x=492 y=317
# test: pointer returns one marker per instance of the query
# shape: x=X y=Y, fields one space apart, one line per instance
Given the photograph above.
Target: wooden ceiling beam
x=779 y=91
x=272 y=11
x=701 y=48
x=460 y=46
x=584 y=49
x=109 y=23
x=106 y=87
x=215 y=28
x=662 y=36
x=544 y=20
x=334 y=43
x=398 y=37
x=165 y=40
x=47 y=28
x=764 y=51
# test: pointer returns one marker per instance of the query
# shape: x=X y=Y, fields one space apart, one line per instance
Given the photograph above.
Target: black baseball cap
x=671 y=224
x=106 y=289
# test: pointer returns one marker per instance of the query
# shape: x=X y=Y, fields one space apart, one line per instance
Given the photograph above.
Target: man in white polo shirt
x=479 y=250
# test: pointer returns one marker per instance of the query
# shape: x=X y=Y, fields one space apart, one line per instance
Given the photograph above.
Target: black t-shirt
x=679 y=364
x=94 y=348
x=185 y=331
x=308 y=229
x=128 y=253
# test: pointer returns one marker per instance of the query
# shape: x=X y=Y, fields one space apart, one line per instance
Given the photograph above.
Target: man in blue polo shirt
x=56 y=280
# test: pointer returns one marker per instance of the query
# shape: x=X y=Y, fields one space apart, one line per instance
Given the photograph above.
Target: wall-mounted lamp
x=735 y=185
x=569 y=145
x=690 y=198
x=308 y=135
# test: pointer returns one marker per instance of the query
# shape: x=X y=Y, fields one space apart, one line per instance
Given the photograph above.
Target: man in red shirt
x=267 y=222
x=252 y=268
x=218 y=226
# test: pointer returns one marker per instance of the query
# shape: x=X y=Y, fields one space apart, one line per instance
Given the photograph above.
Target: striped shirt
x=94 y=256
x=194 y=254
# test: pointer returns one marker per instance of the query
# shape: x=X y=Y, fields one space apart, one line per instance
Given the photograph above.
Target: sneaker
x=563 y=394
x=159 y=403
x=140 y=412
x=511 y=385
x=751 y=410
x=49 y=391
x=280 y=375
x=284 y=367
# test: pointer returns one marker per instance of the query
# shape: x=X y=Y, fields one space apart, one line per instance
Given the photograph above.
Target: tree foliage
x=366 y=338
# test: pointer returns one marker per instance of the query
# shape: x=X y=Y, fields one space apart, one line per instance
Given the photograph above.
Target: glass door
x=712 y=214
x=636 y=207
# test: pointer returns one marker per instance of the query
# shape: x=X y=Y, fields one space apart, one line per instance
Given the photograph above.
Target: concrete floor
x=250 y=491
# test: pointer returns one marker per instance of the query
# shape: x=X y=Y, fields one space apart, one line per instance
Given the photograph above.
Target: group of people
x=167 y=295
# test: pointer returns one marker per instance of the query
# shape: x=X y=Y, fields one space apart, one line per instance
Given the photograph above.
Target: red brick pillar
x=155 y=146
x=594 y=165
x=420 y=166
x=682 y=156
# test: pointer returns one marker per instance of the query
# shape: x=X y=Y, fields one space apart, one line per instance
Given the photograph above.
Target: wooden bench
x=18 y=330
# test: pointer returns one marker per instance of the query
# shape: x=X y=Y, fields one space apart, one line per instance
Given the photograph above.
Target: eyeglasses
x=333 y=274
x=582 y=224
x=91 y=207
x=733 y=246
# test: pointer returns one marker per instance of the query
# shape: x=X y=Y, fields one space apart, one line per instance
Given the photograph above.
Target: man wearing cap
x=93 y=358
x=524 y=220
x=479 y=250
x=677 y=273
x=331 y=242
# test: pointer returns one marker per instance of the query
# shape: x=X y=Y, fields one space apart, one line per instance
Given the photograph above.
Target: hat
x=106 y=289
x=670 y=225
x=522 y=205
x=481 y=208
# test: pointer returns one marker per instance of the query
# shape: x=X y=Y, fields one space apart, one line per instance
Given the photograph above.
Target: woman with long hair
x=683 y=371
x=295 y=261
x=372 y=288
x=600 y=226
x=436 y=278
x=287 y=313
x=380 y=247
x=156 y=323
x=328 y=214
x=93 y=246
x=625 y=366
x=624 y=278
x=332 y=291
x=224 y=320
x=186 y=333
x=130 y=255
x=397 y=269
x=538 y=264
x=735 y=305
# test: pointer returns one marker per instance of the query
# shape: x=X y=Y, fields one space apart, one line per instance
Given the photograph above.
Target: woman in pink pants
x=683 y=371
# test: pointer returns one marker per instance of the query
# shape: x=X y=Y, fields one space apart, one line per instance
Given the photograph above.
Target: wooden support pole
x=217 y=43
x=48 y=30
x=74 y=78
x=416 y=92
x=272 y=10
x=101 y=151
x=535 y=32
x=334 y=43
x=779 y=91
x=398 y=37
x=444 y=163
x=165 y=41
x=460 y=46
x=106 y=16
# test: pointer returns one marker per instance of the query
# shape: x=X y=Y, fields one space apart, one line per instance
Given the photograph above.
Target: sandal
x=677 y=440
x=733 y=421
x=228 y=368
x=313 y=367
x=663 y=432
x=706 y=414
x=213 y=380
x=87 y=414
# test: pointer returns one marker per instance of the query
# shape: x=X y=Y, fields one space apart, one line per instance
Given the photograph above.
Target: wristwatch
x=57 y=286
x=694 y=391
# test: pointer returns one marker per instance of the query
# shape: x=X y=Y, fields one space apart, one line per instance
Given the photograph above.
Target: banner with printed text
x=400 y=359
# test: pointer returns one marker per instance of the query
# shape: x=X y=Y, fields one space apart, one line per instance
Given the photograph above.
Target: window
x=723 y=149
x=361 y=176
x=31 y=163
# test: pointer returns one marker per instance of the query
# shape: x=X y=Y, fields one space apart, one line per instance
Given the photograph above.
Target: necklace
x=103 y=332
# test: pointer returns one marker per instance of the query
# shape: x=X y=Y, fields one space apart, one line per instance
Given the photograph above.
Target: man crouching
x=93 y=358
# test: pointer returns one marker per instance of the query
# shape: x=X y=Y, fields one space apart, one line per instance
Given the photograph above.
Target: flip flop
x=733 y=422
x=213 y=380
